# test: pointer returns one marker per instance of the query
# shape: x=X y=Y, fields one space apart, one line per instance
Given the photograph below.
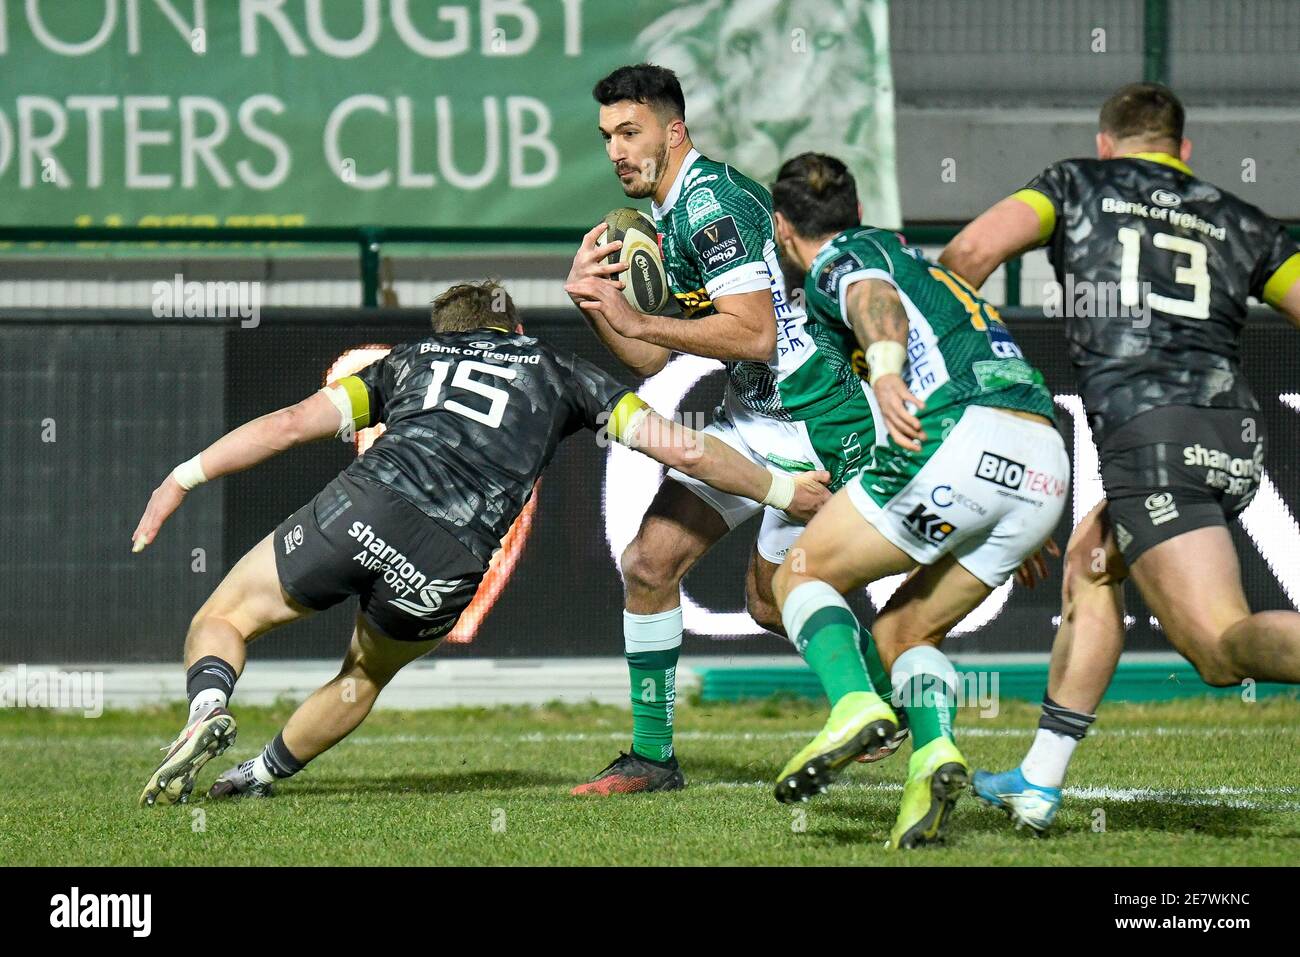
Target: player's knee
x=1215 y=670
x=205 y=620
x=649 y=570
x=1210 y=656
x=1209 y=652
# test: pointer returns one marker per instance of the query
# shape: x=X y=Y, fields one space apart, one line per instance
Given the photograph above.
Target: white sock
x=206 y=699
x=661 y=631
x=802 y=603
x=260 y=771
x=1048 y=757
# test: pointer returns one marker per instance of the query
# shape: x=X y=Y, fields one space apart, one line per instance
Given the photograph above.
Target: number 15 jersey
x=1155 y=266
x=472 y=419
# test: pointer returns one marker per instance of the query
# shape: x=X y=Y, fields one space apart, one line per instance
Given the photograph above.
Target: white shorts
x=756 y=437
x=990 y=495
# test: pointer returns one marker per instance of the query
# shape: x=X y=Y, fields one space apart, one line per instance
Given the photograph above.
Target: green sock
x=934 y=715
x=875 y=667
x=654 y=692
x=923 y=680
x=828 y=641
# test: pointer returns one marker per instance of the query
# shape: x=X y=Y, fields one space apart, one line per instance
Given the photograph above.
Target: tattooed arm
x=879 y=321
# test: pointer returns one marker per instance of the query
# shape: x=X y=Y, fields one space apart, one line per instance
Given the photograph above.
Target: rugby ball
x=645 y=281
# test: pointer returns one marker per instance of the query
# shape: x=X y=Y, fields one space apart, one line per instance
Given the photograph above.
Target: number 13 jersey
x=1155 y=266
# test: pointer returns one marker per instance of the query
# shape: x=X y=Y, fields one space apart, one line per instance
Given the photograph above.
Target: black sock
x=280 y=760
x=210 y=672
x=1072 y=724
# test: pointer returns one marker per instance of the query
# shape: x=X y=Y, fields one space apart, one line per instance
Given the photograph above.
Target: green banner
x=410 y=112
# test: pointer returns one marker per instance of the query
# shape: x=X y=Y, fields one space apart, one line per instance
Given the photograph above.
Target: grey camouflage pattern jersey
x=472 y=420
x=1155 y=267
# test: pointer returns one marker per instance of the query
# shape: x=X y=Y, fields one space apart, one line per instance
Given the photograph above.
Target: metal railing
x=369 y=241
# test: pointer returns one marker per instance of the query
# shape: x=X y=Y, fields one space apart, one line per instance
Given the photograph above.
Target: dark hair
x=1146 y=110
x=817 y=194
x=655 y=86
x=473 y=305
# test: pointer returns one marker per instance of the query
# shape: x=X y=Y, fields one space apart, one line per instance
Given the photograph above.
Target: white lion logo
x=766 y=80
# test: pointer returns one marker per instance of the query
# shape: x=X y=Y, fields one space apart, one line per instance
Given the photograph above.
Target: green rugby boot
x=860 y=723
x=936 y=776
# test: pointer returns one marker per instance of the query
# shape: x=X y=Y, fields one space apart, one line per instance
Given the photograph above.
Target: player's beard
x=644 y=185
x=794 y=273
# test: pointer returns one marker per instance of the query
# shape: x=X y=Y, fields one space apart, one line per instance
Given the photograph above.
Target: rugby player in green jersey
x=967 y=480
x=785 y=406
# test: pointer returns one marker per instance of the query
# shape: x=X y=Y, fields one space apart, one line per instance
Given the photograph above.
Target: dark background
x=130 y=396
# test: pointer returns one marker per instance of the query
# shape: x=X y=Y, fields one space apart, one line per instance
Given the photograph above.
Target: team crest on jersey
x=719 y=243
x=701 y=205
x=828 y=280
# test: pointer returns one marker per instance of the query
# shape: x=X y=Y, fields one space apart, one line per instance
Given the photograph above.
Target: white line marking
x=1192 y=797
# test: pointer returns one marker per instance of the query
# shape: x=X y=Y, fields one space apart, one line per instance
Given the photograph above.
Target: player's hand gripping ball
x=645 y=282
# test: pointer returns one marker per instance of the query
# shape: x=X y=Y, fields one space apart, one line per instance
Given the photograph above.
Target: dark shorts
x=1179 y=468
x=358 y=538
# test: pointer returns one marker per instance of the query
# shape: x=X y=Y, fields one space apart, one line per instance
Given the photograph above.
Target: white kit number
x=1194 y=274
x=463 y=380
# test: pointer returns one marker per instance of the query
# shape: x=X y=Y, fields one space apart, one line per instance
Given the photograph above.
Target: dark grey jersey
x=472 y=419
x=1155 y=267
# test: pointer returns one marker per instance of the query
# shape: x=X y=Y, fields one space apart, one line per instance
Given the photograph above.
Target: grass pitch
x=1188 y=783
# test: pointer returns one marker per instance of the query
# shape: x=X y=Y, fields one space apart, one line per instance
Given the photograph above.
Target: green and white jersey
x=719 y=239
x=959 y=352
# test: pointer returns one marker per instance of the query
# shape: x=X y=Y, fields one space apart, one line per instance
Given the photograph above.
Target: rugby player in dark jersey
x=473 y=414
x=1173 y=417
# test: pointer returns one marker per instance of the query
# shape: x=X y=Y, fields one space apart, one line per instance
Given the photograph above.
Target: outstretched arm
x=315 y=417
x=1004 y=231
x=715 y=463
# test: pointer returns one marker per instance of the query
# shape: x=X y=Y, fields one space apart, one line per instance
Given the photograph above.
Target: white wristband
x=781 y=494
x=343 y=403
x=884 y=358
x=189 y=474
x=633 y=426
